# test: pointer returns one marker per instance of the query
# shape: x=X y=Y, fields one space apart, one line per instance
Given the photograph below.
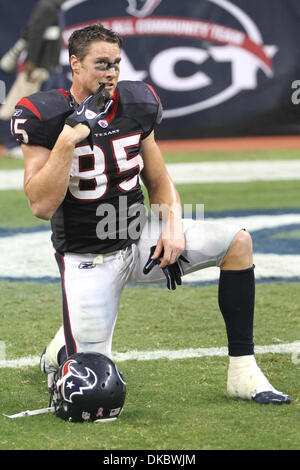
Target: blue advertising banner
x=220 y=67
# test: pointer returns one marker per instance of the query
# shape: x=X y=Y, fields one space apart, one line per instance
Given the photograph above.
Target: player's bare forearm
x=47 y=173
x=161 y=189
x=165 y=202
x=164 y=197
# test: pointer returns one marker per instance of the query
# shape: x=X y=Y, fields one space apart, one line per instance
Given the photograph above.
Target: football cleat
x=275 y=397
x=46 y=365
x=246 y=380
x=48 y=368
x=52 y=356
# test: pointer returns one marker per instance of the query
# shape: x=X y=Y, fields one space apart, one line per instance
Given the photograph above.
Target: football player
x=84 y=153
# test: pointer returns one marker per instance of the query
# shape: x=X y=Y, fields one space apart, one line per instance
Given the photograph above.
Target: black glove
x=92 y=109
x=173 y=272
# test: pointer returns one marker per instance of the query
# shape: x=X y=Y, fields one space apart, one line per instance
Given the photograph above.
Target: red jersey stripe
x=26 y=103
x=64 y=92
x=113 y=109
x=150 y=87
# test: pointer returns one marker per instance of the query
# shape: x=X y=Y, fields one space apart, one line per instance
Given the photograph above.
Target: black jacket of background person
x=43 y=52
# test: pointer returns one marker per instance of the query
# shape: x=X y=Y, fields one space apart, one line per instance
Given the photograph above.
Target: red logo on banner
x=241 y=49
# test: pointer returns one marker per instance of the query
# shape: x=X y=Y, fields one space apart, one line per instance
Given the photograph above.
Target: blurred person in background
x=40 y=42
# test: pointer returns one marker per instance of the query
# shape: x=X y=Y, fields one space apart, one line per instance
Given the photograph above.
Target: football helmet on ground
x=88 y=387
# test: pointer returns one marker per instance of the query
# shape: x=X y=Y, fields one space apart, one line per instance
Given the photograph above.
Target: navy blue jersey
x=104 y=195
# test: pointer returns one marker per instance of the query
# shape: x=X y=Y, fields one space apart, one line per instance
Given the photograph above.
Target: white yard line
x=241 y=171
x=284 y=348
x=11 y=179
x=202 y=172
x=267 y=266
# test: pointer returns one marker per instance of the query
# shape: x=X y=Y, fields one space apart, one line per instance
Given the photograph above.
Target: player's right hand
x=92 y=109
x=173 y=272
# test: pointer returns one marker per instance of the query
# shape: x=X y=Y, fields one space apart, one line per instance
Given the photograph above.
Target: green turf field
x=171 y=404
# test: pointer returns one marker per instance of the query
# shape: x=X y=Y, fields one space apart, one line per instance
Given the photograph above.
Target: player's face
x=100 y=65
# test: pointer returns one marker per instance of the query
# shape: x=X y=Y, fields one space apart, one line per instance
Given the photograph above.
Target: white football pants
x=92 y=284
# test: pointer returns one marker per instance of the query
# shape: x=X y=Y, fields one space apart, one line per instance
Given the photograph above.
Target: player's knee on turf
x=100 y=342
x=92 y=327
x=239 y=254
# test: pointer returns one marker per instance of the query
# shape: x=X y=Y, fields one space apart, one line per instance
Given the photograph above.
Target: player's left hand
x=173 y=272
x=92 y=109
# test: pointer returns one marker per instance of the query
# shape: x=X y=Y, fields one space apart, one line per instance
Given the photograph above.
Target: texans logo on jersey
x=76 y=379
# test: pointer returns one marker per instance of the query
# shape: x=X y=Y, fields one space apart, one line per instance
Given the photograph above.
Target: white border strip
x=283 y=348
x=234 y=171
x=202 y=172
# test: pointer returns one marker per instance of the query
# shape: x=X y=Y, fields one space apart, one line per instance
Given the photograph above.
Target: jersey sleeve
x=141 y=103
x=27 y=125
x=155 y=110
x=38 y=119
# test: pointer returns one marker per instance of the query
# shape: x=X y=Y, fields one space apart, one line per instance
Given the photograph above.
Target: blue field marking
x=250 y=212
x=214 y=282
x=44 y=279
x=30 y=258
x=264 y=240
x=160 y=285
x=6 y=232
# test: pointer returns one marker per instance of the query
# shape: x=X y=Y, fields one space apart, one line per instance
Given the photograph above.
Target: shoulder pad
x=141 y=101
x=39 y=118
x=46 y=105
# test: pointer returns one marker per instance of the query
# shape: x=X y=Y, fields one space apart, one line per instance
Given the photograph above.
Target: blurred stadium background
x=227 y=74
x=221 y=68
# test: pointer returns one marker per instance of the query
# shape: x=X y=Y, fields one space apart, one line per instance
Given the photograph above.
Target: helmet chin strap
x=23 y=414
x=50 y=409
x=104 y=420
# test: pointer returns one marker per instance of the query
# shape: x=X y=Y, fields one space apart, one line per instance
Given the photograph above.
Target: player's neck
x=78 y=93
